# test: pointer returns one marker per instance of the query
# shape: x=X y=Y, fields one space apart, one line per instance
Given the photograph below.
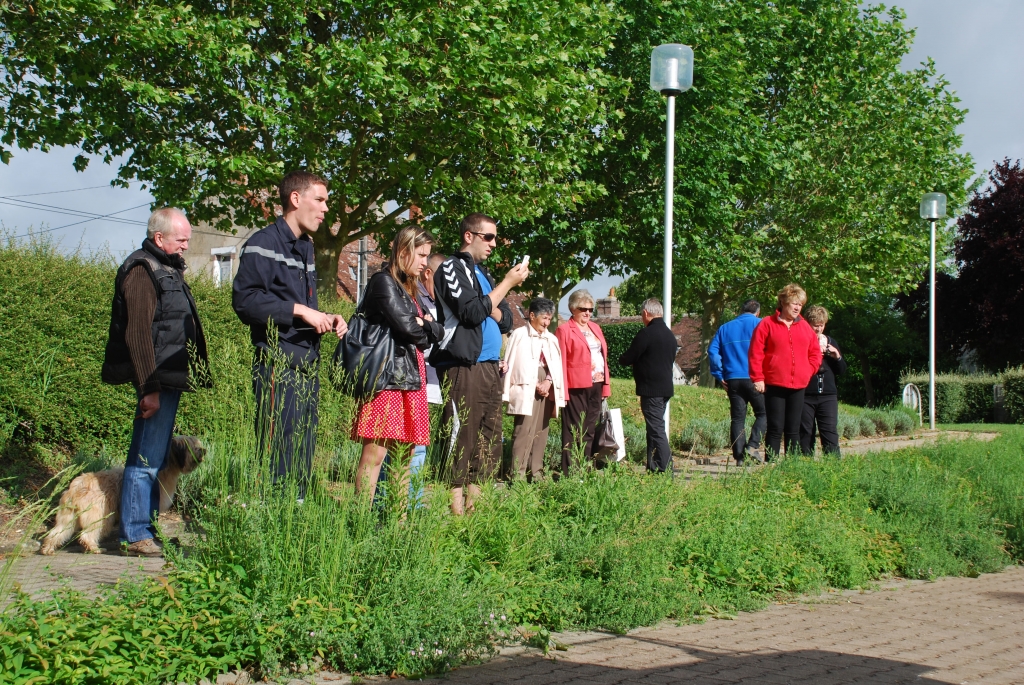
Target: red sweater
x=785 y=356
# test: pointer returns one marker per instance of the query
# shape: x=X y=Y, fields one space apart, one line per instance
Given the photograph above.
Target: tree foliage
x=989 y=287
x=449 y=105
x=802 y=152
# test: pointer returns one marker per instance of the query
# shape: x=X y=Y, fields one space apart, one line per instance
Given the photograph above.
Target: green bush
x=705 y=436
x=960 y=398
x=848 y=426
x=882 y=420
x=867 y=426
x=619 y=337
x=903 y=423
x=1013 y=393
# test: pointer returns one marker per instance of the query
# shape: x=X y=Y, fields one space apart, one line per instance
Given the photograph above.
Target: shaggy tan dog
x=93 y=501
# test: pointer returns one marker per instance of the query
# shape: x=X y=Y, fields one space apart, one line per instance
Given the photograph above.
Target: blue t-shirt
x=490 y=351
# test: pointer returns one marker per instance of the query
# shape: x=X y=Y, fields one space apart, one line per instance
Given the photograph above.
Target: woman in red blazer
x=784 y=354
x=585 y=364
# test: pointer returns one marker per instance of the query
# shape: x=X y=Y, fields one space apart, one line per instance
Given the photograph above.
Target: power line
x=24 y=204
x=71 y=190
x=84 y=221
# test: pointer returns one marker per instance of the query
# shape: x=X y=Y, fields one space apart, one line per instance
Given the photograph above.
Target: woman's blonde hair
x=578 y=297
x=816 y=314
x=791 y=293
x=403 y=250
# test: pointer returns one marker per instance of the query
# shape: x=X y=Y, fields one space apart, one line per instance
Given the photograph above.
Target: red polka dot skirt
x=401 y=415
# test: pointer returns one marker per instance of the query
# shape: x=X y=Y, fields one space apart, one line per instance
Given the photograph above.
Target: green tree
x=449 y=106
x=802 y=152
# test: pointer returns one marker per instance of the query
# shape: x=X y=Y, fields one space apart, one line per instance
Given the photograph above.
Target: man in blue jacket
x=728 y=356
x=274 y=293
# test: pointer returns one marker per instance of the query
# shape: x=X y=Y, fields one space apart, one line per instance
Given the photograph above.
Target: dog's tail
x=63 y=529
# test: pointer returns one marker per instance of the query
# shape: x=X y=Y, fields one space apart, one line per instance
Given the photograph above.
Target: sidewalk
x=954 y=630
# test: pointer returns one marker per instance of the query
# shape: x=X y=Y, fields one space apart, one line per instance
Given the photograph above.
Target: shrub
x=619 y=336
x=848 y=426
x=882 y=420
x=903 y=423
x=705 y=436
x=867 y=427
x=960 y=398
x=1013 y=393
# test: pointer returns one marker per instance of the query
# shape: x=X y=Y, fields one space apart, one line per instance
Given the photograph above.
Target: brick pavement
x=954 y=630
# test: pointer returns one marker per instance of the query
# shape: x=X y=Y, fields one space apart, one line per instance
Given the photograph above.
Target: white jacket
x=522 y=354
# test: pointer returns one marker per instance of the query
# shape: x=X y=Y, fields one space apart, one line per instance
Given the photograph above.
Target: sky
x=977 y=46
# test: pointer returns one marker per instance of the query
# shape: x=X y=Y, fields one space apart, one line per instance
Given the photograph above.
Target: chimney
x=608 y=307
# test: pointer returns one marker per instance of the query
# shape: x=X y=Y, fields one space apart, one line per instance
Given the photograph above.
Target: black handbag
x=366 y=356
x=604 y=436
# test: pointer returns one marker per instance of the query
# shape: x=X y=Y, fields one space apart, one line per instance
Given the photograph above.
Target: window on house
x=222 y=269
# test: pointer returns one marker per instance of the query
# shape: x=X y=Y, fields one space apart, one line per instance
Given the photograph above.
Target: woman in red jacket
x=784 y=354
x=585 y=363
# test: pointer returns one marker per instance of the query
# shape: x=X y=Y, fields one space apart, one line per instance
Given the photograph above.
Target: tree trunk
x=869 y=390
x=327 y=250
x=711 y=318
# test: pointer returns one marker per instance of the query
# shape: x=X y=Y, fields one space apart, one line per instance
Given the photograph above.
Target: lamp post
x=671 y=74
x=933 y=207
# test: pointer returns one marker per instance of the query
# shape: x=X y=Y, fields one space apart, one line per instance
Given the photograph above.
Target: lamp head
x=671 y=68
x=933 y=206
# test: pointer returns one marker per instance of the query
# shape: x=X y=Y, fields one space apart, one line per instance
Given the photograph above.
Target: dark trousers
x=785 y=408
x=286 y=417
x=659 y=454
x=822 y=410
x=579 y=423
x=472 y=418
x=741 y=392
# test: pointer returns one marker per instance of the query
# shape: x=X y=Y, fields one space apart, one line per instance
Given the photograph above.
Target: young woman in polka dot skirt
x=398 y=416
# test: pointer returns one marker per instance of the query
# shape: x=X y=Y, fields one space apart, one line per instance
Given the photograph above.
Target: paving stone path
x=954 y=630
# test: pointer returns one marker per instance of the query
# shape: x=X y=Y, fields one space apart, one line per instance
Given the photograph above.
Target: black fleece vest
x=175 y=322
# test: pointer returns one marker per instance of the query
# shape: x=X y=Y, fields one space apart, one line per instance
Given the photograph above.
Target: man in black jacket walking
x=154 y=327
x=274 y=293
x=652 y=354
x=474 y=314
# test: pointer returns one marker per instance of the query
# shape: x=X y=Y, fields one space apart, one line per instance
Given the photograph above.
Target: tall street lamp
x=933 y=207
x=671 y=74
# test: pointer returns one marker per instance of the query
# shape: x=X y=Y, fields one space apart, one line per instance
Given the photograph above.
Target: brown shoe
x=142 y=548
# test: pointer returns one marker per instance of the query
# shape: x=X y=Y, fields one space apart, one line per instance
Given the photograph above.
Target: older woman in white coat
x=533 y=387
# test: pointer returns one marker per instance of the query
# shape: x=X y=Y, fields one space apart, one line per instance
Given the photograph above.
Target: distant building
x=215 y=253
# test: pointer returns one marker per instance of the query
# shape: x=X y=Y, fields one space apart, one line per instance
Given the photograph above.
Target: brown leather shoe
x=143 y=548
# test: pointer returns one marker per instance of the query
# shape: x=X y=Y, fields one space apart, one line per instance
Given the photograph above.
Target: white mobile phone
x=526 y=260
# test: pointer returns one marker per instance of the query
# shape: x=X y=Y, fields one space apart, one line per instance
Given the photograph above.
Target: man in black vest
x=652 y=354
x=154 y=329
x=274 y=292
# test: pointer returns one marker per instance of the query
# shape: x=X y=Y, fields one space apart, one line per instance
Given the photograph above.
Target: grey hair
x=653 y=307
x=162 y=221
x=579 y=296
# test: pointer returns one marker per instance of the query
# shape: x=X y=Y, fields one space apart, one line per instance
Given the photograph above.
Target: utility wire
x=83 y=221
x=24 y=204
x=71 y=190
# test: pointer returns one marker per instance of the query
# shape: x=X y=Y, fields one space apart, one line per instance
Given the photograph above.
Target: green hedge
x=1013 y=394
x=959 y=398
x=619 y=337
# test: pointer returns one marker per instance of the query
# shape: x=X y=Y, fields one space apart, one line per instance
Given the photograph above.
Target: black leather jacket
x=388 y=304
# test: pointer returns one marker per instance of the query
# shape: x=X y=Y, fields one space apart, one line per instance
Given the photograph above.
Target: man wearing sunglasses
x=473 y=311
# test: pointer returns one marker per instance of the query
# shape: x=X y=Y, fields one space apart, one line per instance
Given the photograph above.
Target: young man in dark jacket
x=474 y=314
x=154 y=326
x=274 y=293
x=652 y=354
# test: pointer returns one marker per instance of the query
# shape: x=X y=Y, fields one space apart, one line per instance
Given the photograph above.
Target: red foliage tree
x=989 y=254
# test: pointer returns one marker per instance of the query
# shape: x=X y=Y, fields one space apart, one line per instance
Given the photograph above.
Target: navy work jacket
x=276 y=270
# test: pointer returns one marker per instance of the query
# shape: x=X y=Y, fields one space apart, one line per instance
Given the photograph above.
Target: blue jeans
x=140 y=492
x=416 y=462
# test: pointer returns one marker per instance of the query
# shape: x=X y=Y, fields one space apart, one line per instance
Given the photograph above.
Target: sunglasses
x=589 y=310
x=487 y=237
